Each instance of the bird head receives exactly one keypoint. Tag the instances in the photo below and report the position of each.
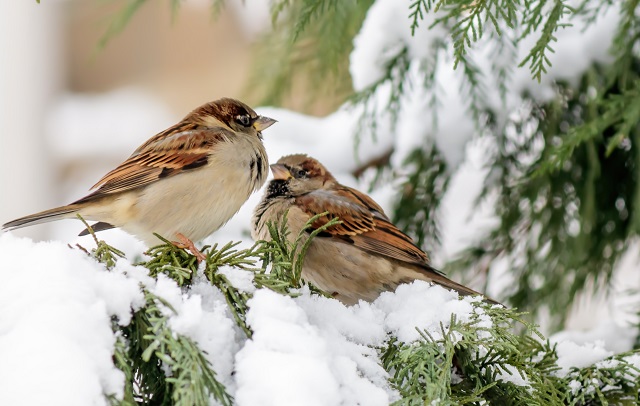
(302, 174)
(231, 114)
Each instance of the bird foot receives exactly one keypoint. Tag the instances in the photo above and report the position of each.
(186, 243)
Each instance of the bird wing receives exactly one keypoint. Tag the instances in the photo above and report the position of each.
(180, 148)
(364, 224)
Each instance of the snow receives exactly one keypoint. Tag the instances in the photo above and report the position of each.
(403, 322)
(57, 305)
(286, 348)
(571, 354)
(55, 329)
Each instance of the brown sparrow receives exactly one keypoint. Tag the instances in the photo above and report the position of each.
(185, 182)
(355, 260)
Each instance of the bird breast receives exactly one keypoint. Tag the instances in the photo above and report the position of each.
(196, 203)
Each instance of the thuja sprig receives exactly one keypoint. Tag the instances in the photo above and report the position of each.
(235, 298)
(175, 262)
(286, 256)
(103, 253)
(610, 381)
(192, 380)
(123, 363)
(478, 352)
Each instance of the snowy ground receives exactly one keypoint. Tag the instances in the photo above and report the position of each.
(56, 304)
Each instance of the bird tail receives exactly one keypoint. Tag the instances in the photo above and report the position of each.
(463, 290)
(43, 217)
(437, 277)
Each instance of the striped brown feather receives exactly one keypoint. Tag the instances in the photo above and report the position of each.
(364, 224)
(166, 154)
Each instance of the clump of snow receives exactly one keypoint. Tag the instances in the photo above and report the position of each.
(289, 361)
(613, 336)
(203, 315)
(239, 278)
(511, 374)
(402, 319)
(571, 354)
(55, 330)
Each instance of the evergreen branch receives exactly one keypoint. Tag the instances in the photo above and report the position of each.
(472, 80)
(192, 380)
(395, 77)
(423, 371)
(286, 256)
(620, 111)
(103, 253)
(610, 381)
(235, 298)
(124, 364)
(176, 263)
(310, 40)
(418, 9)
(416, 211)
(537, 58)
(309, 10)
(299, 259)
(228, 256)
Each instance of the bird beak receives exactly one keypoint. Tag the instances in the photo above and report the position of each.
(263, 123)
(280, 172)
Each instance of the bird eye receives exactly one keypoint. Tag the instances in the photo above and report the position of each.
(301, 173)
(244, 120)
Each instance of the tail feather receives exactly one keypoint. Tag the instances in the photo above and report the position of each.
(43, 217)
(439, 278)
(463, 290)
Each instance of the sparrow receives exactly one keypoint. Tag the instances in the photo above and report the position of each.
(184, 182)
(357, 259)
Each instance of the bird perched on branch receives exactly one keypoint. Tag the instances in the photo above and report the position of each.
(357, 259)
(184, 183)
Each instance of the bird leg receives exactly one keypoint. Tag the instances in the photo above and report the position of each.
(186, 243)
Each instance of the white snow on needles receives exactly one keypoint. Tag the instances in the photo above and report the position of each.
(56, 304)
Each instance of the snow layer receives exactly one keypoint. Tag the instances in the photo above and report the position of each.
(55, 333)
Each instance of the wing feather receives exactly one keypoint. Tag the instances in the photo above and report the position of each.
(364, 224)
(180, 148)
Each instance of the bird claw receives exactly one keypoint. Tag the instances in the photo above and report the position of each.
(186, 243)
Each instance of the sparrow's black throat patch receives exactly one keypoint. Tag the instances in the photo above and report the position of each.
(278, 188)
